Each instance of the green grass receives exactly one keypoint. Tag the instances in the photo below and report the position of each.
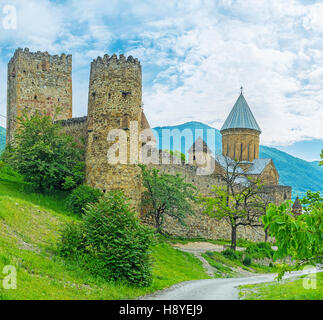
(224, 265)
(30, 226)
(286, 290)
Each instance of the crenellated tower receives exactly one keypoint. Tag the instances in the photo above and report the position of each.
(38, 82)
(115, 102)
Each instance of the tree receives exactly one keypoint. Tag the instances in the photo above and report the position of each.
(166, 194)
(321, 163)
(45, 157)
(240, 200)
(300, 237)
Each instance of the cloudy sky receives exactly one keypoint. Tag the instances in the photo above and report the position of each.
(195, 56)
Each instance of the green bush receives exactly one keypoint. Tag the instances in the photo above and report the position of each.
(230, 254)
(48, 159)
(110, 241)
(260, 250)
(81, 197)
(246, 261)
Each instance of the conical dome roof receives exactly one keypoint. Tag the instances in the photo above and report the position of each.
(241, 117)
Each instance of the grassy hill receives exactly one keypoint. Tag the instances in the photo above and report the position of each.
(30, 227)
(301, 175)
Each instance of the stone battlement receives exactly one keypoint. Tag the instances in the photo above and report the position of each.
(53, 59)
(114, 60)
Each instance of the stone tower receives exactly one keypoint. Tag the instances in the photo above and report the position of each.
(38, 82)
(240, 133)
(115, 102)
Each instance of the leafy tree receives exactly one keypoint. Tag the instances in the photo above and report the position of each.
(110, 241)
(321, 163)
(45, 157)
(300, 237)
(240, 200)
(166, 194)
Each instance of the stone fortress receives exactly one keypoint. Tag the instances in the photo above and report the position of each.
(40, 82)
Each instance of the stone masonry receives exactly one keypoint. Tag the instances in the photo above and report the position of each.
(38, 82)
(115, 102)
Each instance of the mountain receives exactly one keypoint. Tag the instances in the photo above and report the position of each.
(2, 138)
(301, 175)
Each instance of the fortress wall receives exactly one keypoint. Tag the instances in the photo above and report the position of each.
(77, 128)
(201, 225)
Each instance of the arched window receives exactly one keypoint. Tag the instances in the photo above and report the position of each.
(234, 152)
(227, 149)
(241, 148)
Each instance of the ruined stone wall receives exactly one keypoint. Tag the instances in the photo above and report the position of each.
(232, 139)
(77, 128)
(38, 82)
(115, 102)
(200, 224)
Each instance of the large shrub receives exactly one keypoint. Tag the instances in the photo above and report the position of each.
(81, 197)
(110, 241)
(260, 250)
(45, 157)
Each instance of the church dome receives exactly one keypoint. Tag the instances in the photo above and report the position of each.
(241, 117)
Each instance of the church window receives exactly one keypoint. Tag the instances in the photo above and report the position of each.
(241, 152)
(227, 149)
(234, 153)
(248, 152)
(254, 152)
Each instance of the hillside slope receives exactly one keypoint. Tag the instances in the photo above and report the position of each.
(30, 226)
(301, 175)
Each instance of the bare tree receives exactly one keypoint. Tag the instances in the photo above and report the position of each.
(239, 199)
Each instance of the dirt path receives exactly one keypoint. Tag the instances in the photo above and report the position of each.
(197, 248)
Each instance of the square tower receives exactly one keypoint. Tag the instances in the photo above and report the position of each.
(38, 82)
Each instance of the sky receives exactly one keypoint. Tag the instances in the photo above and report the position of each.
(195, 56)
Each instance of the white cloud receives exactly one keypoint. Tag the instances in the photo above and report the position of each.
(195, 54)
